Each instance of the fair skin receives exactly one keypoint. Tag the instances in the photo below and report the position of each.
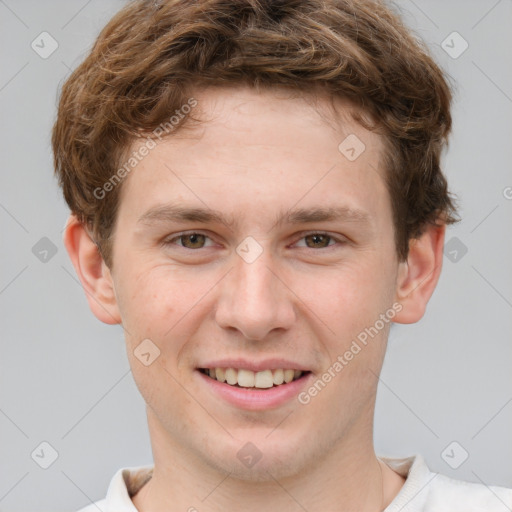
(303, 300)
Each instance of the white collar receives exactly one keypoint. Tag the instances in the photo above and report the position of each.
(412, 468)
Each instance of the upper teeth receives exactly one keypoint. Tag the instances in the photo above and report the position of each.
(250, 379)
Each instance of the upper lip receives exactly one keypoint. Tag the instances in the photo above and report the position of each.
(255, 366)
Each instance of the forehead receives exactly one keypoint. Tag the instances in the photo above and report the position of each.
(252, 152)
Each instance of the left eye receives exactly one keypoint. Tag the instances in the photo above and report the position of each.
(190, 240)
(317, 240)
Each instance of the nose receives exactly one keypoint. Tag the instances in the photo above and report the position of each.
(254, 300)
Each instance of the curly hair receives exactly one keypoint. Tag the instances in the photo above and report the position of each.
(151, 56)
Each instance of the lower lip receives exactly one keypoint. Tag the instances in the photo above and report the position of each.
(256, 399)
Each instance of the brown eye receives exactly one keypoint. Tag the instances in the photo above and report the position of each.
(193, 240)
(317, 240)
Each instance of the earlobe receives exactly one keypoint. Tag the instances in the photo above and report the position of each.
(92, 271)
(418, 276)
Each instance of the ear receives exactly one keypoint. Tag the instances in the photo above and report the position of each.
(418, 276)
(92, 271)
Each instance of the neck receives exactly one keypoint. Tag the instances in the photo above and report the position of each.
(349, 478)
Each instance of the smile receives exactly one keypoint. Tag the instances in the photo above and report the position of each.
(248, 379)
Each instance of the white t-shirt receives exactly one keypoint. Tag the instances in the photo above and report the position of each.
(423, 491)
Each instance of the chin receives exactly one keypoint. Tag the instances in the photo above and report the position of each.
(257, 458)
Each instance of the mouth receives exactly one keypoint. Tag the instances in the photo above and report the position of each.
(265, 379)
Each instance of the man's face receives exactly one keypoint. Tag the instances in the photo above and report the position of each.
(272, 285)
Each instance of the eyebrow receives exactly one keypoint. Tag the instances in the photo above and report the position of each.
(175, 213)
(341, 213)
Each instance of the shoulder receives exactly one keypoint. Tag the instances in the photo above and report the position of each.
(124, 484)
(426, 491)
(448, 494)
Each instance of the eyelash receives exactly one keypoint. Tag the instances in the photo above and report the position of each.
(170, 241)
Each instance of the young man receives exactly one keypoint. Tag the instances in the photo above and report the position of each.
(256, 197)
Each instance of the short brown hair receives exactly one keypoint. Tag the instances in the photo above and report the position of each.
(149, 58)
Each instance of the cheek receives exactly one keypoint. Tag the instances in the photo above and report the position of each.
(153, 301)
(348, 298)
(167, 306)
(349, 305)
(154, 306)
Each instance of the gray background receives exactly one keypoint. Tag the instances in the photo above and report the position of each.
(64, 376)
